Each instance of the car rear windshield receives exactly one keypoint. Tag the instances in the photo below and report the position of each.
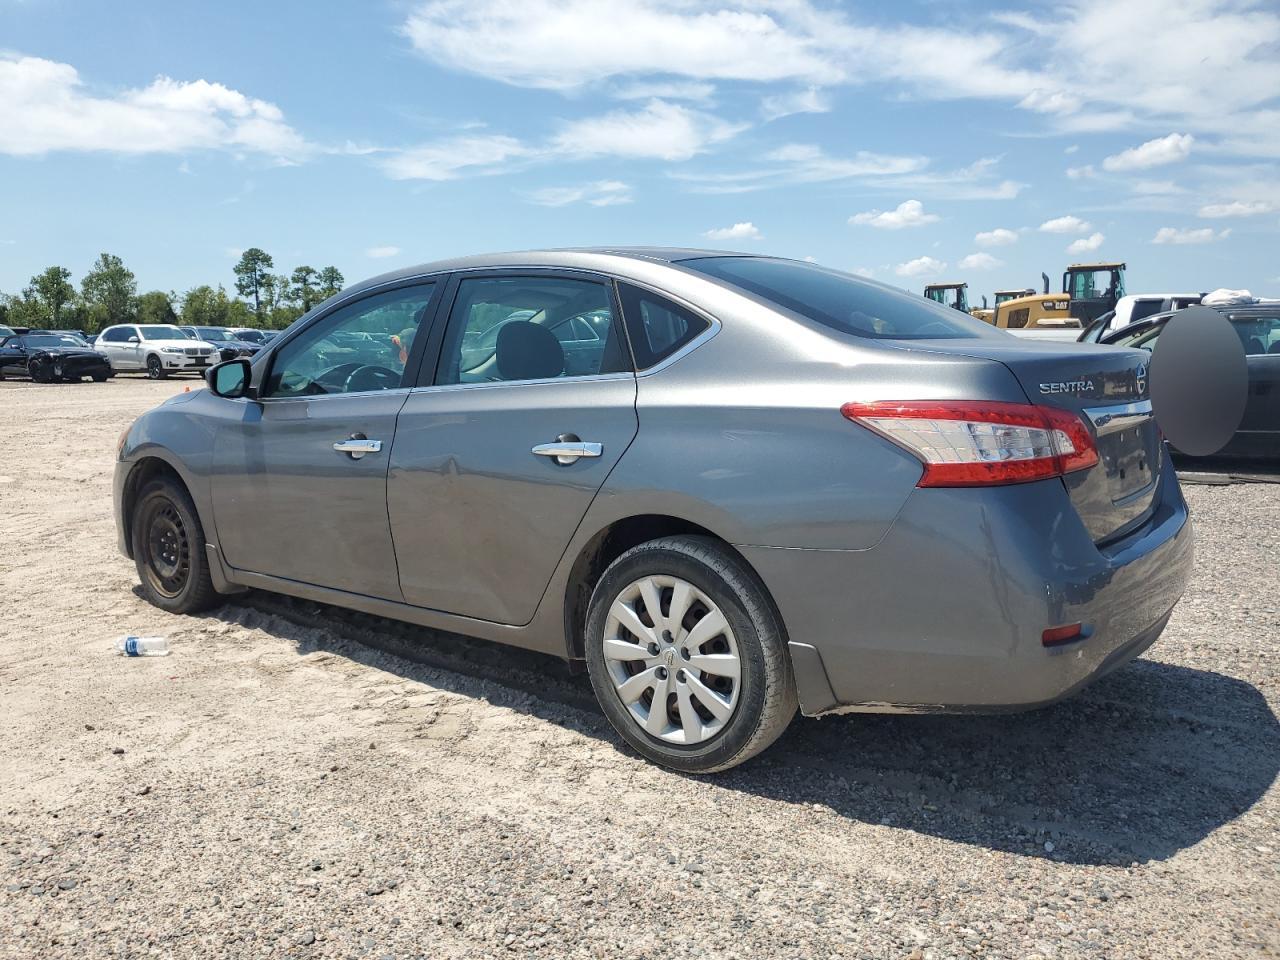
(840, 301)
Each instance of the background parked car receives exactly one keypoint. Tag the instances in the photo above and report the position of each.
(159, 349)
(1258, 327)
(49, 357)
(1134, 307)
(6, 331)
(229, 346)
(260, 337)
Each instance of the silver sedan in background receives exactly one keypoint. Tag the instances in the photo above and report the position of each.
(730, 485)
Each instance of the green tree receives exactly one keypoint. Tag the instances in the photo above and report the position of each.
(254, 264)
(204, 306)
(304, 287)
(24, 310)
(110, 291)
(52, 289)
(156, 306)
(331, 281)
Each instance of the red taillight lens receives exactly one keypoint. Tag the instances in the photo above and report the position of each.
(970, 443)
(1065, 634)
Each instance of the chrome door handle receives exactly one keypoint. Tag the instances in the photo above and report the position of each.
(568, 451)
(357, 447)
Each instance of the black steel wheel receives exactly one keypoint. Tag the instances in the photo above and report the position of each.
(169, 549)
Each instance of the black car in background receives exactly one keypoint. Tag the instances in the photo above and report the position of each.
(49, 357)
(228, 345)
(1258, 327)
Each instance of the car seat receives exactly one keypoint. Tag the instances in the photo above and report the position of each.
(527, 351)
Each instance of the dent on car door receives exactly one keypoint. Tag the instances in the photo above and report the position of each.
(497, 459)
(300, 485)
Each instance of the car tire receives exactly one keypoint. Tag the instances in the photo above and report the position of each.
(169, 549)
(100, 377)
(39, 372)
(752, 709)
(155, 368)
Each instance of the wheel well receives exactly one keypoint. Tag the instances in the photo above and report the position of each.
(605, 547)
(143, 472)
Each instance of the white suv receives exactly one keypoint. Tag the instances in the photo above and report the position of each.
(158, 348)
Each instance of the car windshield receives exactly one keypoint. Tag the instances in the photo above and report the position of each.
(849, 304)
(215, 333)
(163, 332)
(5, 332)
(44, 341)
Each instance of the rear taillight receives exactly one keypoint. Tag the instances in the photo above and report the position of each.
(972, 443)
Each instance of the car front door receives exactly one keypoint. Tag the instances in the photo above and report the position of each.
(300, 484)
(498, 457)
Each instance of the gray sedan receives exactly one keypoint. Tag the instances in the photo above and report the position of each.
(731, 486)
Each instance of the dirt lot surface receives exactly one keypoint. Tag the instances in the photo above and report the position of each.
(285, 784)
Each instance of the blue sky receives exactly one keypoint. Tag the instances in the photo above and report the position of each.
(909, 141)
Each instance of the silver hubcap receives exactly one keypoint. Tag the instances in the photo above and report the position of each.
(673, 659)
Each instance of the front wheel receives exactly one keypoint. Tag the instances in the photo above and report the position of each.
(155, 369)
(39, 371)
(687, 656)
(168, 550)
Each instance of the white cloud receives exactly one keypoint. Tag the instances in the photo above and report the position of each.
(381, 253)
(920, 267)
(980, 261)
(1072, 149)
(867, 272)
(693, 90)
(44, 107)
(999, 237)
(739, 231)
(805, 163)
(1174, 235)
(809, 100)
(600, 193)
(1236, 208)
(909, 213)
(1080, 75)
(1086, 244)
(665, 131)
(1153, 153)
(449, 159)
(1085, 172)
(1067, 224)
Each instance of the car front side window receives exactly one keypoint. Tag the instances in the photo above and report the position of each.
(530, 328)
(359, 347)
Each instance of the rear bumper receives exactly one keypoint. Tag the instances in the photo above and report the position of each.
(946, 612)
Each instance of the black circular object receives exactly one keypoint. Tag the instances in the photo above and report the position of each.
(1199, 381)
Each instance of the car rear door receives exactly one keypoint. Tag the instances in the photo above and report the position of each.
(500, 453)
(300, 484)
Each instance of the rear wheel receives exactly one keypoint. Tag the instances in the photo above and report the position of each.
(168, 550)
(155, 369)
(687, 657)
(100, 377)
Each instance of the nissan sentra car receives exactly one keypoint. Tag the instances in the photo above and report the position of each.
(730, 486)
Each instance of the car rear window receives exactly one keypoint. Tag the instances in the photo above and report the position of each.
(840, 301)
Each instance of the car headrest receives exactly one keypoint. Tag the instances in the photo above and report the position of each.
(526, 351)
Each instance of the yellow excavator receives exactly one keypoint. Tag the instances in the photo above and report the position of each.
(987, 314)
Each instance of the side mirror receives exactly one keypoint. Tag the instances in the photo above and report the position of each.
(134, 339)
(230, 378)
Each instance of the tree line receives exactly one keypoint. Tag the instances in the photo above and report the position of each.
(108, 294)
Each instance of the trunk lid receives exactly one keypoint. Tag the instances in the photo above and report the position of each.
(1108, 388)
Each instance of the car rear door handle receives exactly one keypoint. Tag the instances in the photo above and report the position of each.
(568, 451)
(357, 447)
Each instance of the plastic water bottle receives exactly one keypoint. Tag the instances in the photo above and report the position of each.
(143, 646)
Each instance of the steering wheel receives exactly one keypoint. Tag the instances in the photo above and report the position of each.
(371, 378)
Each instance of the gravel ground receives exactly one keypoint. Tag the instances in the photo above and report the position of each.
(287, 783)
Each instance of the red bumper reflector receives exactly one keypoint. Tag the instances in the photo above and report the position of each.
(1059, 635)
